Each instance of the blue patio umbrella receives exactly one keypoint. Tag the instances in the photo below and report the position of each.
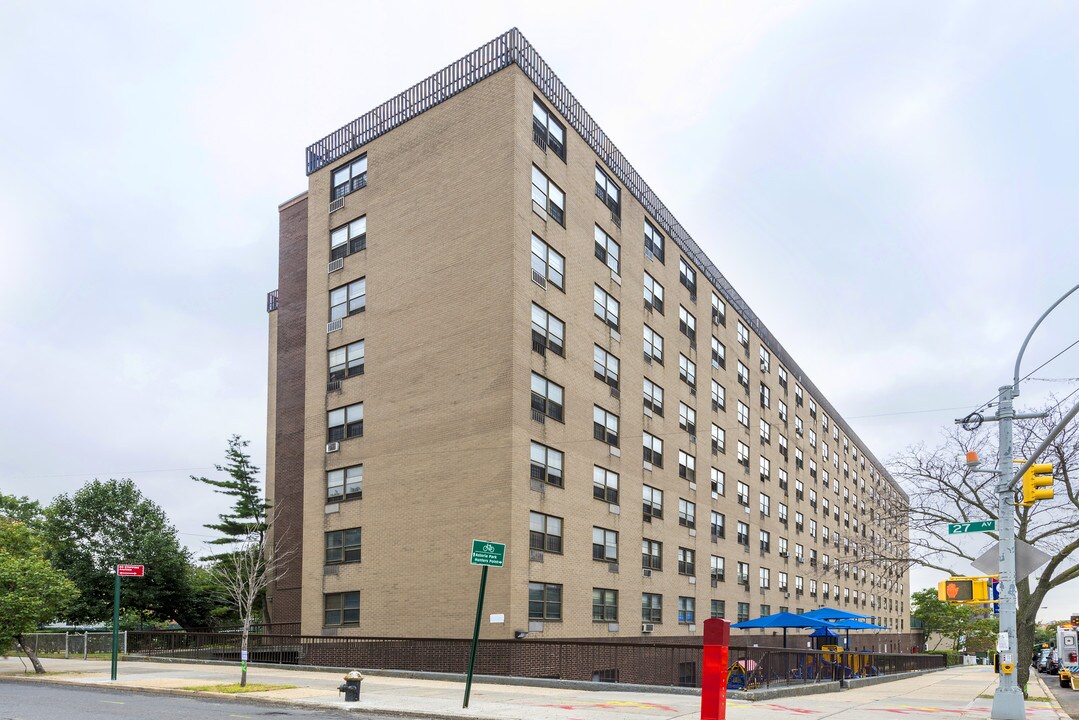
(782, 620)
(827, 613)
(823, 633)
(854, 624)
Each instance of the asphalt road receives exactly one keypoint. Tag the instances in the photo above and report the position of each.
(32, 701)
(1068, 698)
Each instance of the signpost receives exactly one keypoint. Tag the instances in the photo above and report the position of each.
(121, 571)
(487, 554)
(972, 527)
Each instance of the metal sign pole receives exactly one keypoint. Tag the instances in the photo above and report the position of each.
(475, 636)
(115, 620)
(1008, 701)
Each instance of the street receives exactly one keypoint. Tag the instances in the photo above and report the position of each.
(1068, 698)
(25, 701)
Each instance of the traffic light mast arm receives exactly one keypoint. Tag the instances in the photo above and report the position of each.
(1019, 357)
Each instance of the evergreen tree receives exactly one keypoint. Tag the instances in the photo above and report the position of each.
(247, 520)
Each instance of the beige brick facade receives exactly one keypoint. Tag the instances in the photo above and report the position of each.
(447, 403)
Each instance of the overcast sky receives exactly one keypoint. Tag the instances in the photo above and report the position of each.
(892, 187)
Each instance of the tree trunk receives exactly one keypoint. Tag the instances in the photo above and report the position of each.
(31, 655)
(243, 649)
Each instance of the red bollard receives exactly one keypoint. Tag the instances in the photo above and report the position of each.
(717, 638)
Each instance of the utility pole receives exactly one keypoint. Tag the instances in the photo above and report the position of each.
(1008, 701)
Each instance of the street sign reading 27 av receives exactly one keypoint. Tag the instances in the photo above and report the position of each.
(972, 527)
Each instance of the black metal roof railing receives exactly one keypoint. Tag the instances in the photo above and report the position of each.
(510, 48)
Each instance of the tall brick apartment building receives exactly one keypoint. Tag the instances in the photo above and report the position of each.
(488, 326)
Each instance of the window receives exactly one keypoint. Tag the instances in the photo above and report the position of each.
(798, 427)
(604, 605)
(687, 324)
(544, 601)
(687, 418)
(651, 554)
(719, 311)
(783, 584)
(343, 546)
(743, 573)
(765, 610)
(344, 423)
(651, 607)
(348, 299)
(719, 439)
(743, 414)
(687, 561)
(687, 607)
(544, 532)
(653, 502)
(349, 238)
(344, 484)
(743, 611)
(743, 335)
(765, 396)
(653, 397)
(743, 532)
(718, 571)
(719, 396)
(653, 346)
(687, 371)
(604, 545)
(688, 277)
(548, 197)
(783, 412)
(765, 578)
(799, 585)
(766, 468)
(743, 375)
(653, 241)
(547, 398)
(766, 432)
(718, 523)
(346, 361)
(687, 466)
(766, 360)
(719, 482)
(743, 455)
(546, 464)
(687, 513)
(605, 366)
(341, 609)
(653, 450)
(765, 504)
(546, 131)
(604, 426)
(719, 354)
(605, 485)
(798, 395)
(719, 608)
(607, 250)
(782, 374)
(548, 332)
(799, 521)
(653, 294)
(548, 266)
(350, 178)
(605, 307)
(765, 538)
(607, 191)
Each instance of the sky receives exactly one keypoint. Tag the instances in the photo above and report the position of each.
(892, 188)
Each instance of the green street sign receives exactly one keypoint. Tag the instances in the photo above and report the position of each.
(972, 527)
(487, 553)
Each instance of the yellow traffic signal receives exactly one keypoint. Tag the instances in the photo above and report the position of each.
(965, 590)
(1037, 484)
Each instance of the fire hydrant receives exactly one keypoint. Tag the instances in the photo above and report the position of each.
(351, 686)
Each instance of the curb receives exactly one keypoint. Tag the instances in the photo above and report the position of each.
(1053, 702)
(270, 702)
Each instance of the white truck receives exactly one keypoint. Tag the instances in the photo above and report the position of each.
(1068, 654)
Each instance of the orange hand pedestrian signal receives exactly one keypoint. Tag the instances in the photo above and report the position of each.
(960, 590)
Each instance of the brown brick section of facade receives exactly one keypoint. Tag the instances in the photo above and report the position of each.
(290, 389)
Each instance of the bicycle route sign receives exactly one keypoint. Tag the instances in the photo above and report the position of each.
(488, 553)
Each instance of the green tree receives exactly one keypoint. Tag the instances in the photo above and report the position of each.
(107, 523)
(938, 617)
(23, 509)
(247, 520)
(32, 591)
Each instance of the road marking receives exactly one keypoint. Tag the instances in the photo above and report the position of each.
(113, 702)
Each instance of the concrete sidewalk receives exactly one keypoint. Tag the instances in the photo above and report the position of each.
(951, 693)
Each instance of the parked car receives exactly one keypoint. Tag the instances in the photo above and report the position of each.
(1043, 658)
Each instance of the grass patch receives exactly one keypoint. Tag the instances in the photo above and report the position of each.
(234, 688)
(77, 656)
(1032, 698)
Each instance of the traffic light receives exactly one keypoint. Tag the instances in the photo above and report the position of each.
(965, 590)
(1037, 484)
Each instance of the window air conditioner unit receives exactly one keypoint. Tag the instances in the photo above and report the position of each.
(539, 279)
(333, 447)
(337, 204)
(335, 265)
(646, 572)
(783, 555)
(647, 627)
(334, 325)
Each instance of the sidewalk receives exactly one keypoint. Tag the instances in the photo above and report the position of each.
(952, 693)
